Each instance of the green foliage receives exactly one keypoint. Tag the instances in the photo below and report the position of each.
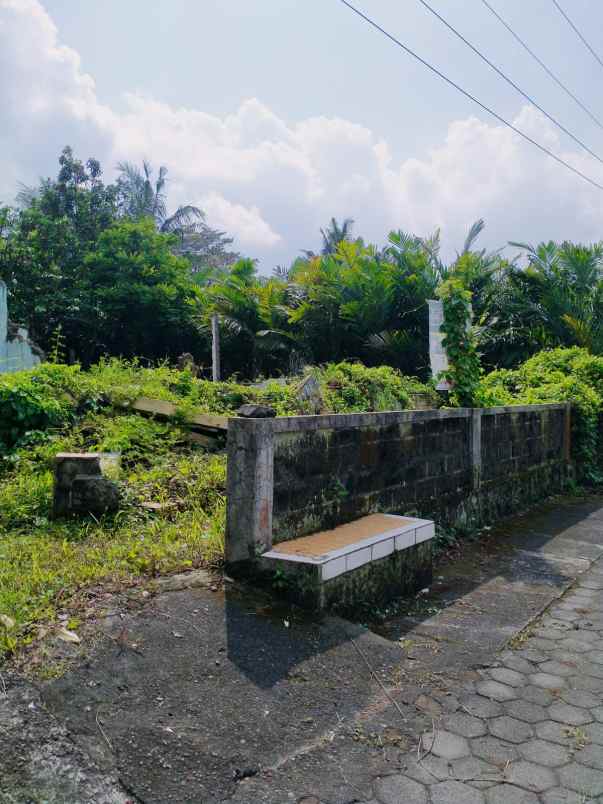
(459, 341)
(560, 375)
(44, 561)
(353, 387)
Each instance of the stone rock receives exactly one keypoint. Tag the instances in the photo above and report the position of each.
(84, 483)
(256, 412)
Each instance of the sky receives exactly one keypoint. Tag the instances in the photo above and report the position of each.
(275, 115)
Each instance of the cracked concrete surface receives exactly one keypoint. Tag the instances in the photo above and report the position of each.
(215, 697)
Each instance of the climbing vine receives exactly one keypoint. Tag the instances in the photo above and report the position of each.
(460, 342)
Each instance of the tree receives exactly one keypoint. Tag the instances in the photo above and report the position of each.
(254, 320)
(556, 300)
(140, 196)
(138, 297)
(44, 245)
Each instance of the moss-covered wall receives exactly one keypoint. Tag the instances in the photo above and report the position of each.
(462, 470)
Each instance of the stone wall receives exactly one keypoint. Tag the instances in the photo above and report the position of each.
(296, 475)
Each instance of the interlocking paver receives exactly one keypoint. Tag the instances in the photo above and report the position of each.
(555, 668)
(399, 790)
(571, 715)
(506, 676)
(554, 732)
(536, 695)
(524, 710)
(532, 655)
(559, 795)
(496, 690)
(531, 776)
(518, 663)
(475, 771)
(465, 725)
(545, 753)
(455, 793)
(585, 683)
(507, 794)
(547, 681)
(491, 749)
(530, 730)
(580, 698)
(510, 729)
(478, 706)
(582, 779)
(591, 755)
(445, 744)
(594, 733)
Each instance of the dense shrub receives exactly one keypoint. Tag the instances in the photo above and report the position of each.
(560, 375)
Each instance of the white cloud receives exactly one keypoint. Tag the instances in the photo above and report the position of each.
(245, 223)
(272, 183)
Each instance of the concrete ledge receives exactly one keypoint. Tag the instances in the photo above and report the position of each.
(405, 532)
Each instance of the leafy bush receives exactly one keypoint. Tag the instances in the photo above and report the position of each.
(560, 375)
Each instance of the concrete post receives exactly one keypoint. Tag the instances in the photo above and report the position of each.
(567, 433)
(215, 349)
(249, 485)
(476, 448)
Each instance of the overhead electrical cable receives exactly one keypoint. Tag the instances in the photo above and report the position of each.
(471, 97)
(547, 70)
(510, 81)
(576, 31)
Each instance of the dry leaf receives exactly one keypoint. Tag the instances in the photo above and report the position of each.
(7, 621)
(68, 636)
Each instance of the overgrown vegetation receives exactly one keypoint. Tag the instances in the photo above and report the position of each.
(559, 375)
(56, 408)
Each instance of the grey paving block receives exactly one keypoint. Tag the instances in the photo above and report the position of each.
(510, 729)
(506, 676)
(559, 795)
(591, 755)
(537, 695)
(496, 691)
(545, 753)
(583, 698)
(399, 790)
(507, 794)
(455, 793)
(571, 715)
(445, 744)
(582, 779)
(491, 749)
(547, 681)
(554, 733)
(524, 710)
(465, 725)
(531, 776)
(478, 706)
(556, 668)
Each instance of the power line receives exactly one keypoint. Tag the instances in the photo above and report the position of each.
(468, 95)
(509, 81)
(571, 24)
(548, 71)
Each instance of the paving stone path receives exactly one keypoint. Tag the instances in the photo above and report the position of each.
(529, 730)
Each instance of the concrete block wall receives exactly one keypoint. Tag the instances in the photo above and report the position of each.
(291, 476)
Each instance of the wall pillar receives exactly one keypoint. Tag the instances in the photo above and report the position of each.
(476, 448)
(249, 488)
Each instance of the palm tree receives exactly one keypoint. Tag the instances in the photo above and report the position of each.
(335, 234)
(140, 197)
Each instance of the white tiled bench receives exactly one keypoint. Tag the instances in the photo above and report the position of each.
(351, 546)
